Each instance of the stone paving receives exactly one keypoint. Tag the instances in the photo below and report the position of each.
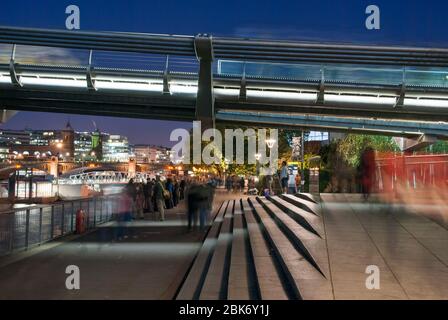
(409, 249)
(149, 264)
(342, 235)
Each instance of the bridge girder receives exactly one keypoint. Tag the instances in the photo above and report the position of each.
(331, 123)
(211, 94)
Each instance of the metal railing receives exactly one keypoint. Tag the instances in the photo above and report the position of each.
(228, 48)
(23, 228)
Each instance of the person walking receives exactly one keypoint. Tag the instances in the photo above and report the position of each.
(193, 204)
(228, 184)
(284, 176)
(176, 193)
(170, 187)
(182, 187)
(140, 203)
(131, 190)
(149, 193)
(203, 201)
(160, 198)
(298, 182)
(123, 216)
(367, 171)
(242, 184)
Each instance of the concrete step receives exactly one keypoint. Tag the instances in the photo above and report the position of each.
(269, 281)
(242, 283)
(308, 197)
(307, 243)
(304, 278)
(309, 221)
(191, 287)
(260, 248)
(216, 280)
(304, 204)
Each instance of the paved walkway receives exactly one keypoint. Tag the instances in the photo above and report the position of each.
(149, 264)
(341, 236)
(409, 249)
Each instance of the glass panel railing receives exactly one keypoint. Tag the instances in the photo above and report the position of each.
(428, 77)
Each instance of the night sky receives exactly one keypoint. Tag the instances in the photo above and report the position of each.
(405, 22)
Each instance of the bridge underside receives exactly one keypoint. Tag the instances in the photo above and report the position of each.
(181, 109)
(379, 90)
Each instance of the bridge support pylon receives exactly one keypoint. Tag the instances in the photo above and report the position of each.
(205, 100)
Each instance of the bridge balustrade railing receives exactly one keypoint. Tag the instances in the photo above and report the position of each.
(24, 228)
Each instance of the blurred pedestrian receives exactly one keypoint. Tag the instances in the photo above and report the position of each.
(170, 188)
(123, 215)
(160, 198)
(284, 176)
(242, 184)
(193, 204)
(176, 193)
(131, 191)
(148, 191)
(182, 187)
(140, 202)
(367, 171)
(298, 181)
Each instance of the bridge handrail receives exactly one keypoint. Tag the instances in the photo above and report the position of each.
(23, 228)
(228, 48)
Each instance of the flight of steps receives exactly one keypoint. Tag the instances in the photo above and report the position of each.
(262, 248)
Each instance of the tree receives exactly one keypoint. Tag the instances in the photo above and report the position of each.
(351, 147)
(437, 148)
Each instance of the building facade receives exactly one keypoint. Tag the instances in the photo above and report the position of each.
(116, 149)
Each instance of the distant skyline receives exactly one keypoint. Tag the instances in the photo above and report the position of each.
(138, 131)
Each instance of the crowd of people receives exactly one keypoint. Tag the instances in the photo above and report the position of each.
(267, 185)
(151, 199)
(154, 196)
(235, 183)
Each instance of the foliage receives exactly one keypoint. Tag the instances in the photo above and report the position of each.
(438, 147)
(284, 149)
(351, 147)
